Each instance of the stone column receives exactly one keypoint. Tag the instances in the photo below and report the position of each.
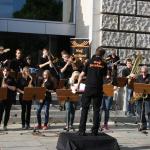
(66, 10)
(84, 19)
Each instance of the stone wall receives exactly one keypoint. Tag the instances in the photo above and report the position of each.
(126, 25)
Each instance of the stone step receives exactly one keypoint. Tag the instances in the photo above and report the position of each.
(59, 116)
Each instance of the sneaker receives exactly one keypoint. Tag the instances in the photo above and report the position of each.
(27, 127)
(142, 129)
(23, 127)
(45, 127)
(105, 126)
(38, 127)
(5, 128)
(65, 128)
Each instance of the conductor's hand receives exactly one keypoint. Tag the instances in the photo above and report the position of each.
(76, 88)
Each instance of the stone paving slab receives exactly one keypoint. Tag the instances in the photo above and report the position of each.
(127, 135)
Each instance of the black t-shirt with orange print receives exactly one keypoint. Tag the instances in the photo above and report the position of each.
(95, 70)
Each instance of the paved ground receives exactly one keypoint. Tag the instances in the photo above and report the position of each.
(127, 135)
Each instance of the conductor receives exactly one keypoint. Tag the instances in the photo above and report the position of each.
(95, 70)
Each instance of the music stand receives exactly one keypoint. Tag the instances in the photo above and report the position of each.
(3, 97)
(108, 89)
(67, 96)
(3, 93)
(121, 81)
(143, 89)
(33, 94)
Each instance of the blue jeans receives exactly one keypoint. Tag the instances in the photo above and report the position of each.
(70, 112)
(144, 113)
(130, 107)
(46, 105)
(106, 106)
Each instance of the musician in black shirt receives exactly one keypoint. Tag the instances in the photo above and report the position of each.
(144, 77)
(129, 108)
(48, 84)
(26, 80)
(4, 57)
(95, 70)
(5, 105)
(18, 63)
(65, 66)
(45, 61)
(113, 60)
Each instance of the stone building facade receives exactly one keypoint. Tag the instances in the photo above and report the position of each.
(123, 25)
(126, 26)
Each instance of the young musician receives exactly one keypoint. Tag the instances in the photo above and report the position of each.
(144, 112)
(5, 105)
(25, 80)
(47, 64)
(45, 61)
(113, 57)
(70, 106)
(95, 70)
(29, 62)
(127, 73)
(4, 57)
(65, 66)
(48, 84)
(113, 61)
(18, 63)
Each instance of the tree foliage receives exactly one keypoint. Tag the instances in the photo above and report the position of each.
(41, 10)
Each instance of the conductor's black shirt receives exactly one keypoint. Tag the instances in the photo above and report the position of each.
(95, 70)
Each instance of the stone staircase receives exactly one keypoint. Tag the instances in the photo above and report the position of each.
(58, 116)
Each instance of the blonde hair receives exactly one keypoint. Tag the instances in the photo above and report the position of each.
(74, 77)
(48, 73)
(24, 70)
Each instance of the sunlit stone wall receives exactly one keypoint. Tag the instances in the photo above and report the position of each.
(126, 25)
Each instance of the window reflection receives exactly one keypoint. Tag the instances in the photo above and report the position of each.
(64, 11)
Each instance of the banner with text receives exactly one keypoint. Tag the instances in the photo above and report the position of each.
(80, 47)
